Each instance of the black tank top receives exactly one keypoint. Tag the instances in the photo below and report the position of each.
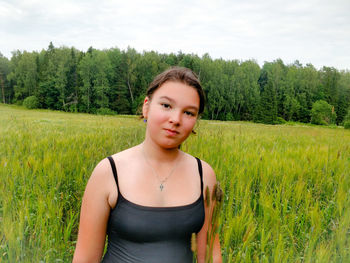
(139, 233)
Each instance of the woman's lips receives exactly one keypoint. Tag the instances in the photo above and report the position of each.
(171, 132)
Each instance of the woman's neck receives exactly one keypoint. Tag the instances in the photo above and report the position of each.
(158, 154)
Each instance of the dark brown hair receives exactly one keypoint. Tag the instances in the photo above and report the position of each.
(179, 74)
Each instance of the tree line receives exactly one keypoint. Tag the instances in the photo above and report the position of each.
(115, 81)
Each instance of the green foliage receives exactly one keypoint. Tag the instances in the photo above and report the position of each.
(24, 74)
(229, 116)
(322, 113)
(286, 197)
(347, 120)
(31, 102)
(347, 124)
(280, 120)
(5, 93)
(268, 99)
(70, 80)
(105, 111)
(329, 81)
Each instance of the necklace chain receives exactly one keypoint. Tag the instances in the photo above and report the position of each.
(162, 181)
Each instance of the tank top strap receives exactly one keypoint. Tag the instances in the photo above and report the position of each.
(200, 173)
(114, 169)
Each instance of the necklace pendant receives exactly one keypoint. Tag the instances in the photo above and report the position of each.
(161, 187)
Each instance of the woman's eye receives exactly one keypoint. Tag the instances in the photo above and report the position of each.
(165, 105)
(189, 113)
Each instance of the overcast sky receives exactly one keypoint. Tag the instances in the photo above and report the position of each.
(312, 31)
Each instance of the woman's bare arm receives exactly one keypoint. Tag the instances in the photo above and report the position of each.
(94, 216)
(209, 179)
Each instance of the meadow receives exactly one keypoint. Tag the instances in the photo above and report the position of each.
(286, 187)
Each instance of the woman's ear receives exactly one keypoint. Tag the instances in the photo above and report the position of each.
(145, 107)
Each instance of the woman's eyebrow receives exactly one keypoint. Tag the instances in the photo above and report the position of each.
(166, 97)
(171, 100)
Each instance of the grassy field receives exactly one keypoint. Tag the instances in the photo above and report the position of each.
(287, 188)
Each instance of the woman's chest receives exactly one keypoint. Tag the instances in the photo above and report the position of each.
(143, 224)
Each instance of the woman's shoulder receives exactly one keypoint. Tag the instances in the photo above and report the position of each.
(103, 171)
(209, 177)
(126, 156)
(104, 165)
(101, 175)
(102, 181)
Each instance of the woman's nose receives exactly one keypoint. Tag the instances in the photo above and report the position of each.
(175, 118)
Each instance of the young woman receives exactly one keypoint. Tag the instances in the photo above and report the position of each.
(149, 199)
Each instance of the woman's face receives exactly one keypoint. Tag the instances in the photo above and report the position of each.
(171, 114)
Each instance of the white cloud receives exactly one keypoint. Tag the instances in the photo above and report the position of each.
(315, 31)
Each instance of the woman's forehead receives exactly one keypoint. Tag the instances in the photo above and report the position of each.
(177, 91)
(175, 86)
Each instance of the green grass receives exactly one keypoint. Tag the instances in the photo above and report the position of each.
(287, 188)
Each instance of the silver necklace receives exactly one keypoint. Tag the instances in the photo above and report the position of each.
(162, 181)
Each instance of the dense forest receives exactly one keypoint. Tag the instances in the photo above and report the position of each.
(115, 81)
